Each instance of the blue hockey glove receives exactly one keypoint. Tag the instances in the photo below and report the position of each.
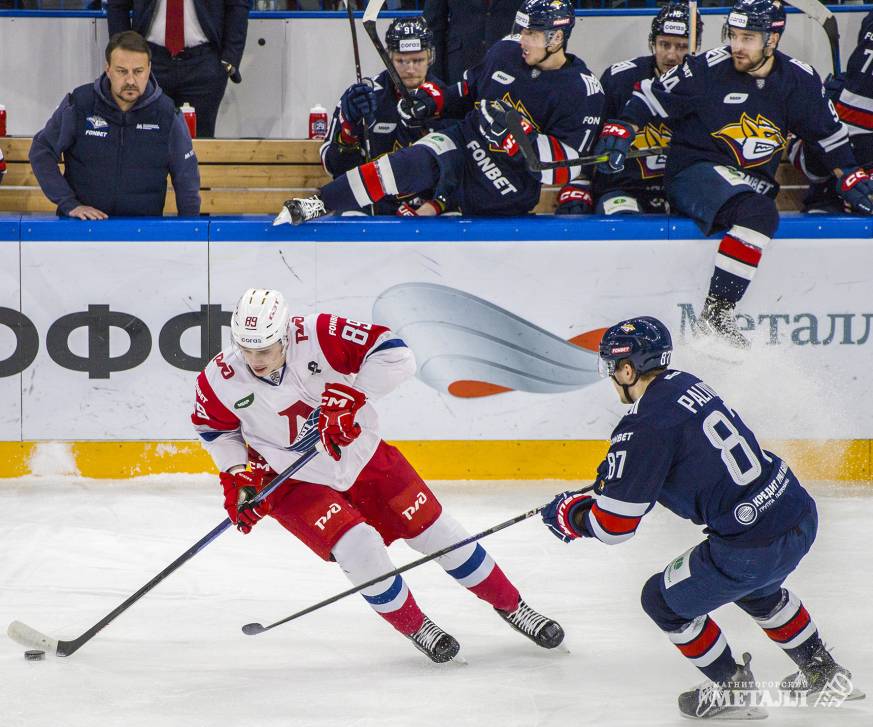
(559, 514)
(856, 189)
(615, 141)
(425, 102)
(358, 102)
(833, 85)
(575, 199)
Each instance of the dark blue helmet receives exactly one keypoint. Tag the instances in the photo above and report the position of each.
(409, 35)
(548, 16)
(763, 16)
(643, 341)
(675, 19)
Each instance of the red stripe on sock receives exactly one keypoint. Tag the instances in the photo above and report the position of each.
(407, 619)
(372, 183)
(792, 628)
(732, 247)
(497, 590)
(703, 642)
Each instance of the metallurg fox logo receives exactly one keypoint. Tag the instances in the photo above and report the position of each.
(649, 136)
(752, 141)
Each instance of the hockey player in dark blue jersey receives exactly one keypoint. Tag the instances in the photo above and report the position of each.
(409, 42)
(682, 446)
(852, 95)
(731, 110)
(477, 163)
(640, 186)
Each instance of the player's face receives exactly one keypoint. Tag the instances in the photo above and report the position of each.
(264, 361)
(624, 374)
(128, 73)
(747, 48)
(670, 51)
(533, 45)
(412, 67)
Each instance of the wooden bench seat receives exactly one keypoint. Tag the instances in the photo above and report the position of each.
(254, 176)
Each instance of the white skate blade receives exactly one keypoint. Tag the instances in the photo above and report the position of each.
(736, 713)
(283, 218)
(27, 636)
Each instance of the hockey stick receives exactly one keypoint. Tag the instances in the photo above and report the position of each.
(825, 18)
(28, 636)
(513, 123)
(370, 15)
(253, 629)
(692, 27)
(356, 50)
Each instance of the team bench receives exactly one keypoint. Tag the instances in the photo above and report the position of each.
(254, 176)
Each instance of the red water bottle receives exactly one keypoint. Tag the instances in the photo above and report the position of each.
(190, 116)
(2, 120)
(317, 122)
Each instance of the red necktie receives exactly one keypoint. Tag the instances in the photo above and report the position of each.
(174, 39)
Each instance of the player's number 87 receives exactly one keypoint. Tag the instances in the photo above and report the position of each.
(727, 445)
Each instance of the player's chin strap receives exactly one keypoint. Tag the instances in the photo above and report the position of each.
(764, 57)
(626, 387)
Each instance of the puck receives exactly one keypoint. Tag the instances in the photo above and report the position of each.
(34, 655)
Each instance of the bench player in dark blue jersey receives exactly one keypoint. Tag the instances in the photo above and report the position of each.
(640, 186)
(477, 163)
(409, 42)
(731, 110)
(852, 95)
(682, 446)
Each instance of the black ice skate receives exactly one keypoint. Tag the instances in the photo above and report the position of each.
(732, 699)
(540, 629)
(821, 679)
(431, 640)
(717, 319)
(300, 210)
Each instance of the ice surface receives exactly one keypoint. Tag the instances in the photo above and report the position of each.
(74, 549)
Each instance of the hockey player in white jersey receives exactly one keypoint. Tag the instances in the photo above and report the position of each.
(250, 401)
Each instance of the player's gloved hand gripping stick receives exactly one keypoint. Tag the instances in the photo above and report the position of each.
(252, 629)
(516, 128)
(307, 442)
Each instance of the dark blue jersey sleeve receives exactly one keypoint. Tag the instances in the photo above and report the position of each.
(633, 473)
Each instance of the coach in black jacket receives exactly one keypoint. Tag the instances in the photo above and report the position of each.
(464, 29)
(194, 67)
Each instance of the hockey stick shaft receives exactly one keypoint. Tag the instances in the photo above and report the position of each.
(370, 15)
(513, 123)
(825, 18)
(358, 75)
(30, 637)
(252, 629)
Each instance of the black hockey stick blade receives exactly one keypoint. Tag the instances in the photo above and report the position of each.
(28, 636)
(252, 629)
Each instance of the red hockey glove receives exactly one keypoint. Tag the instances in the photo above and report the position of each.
(559, 514)
(575, 199)
(336, 424)
(239, 488)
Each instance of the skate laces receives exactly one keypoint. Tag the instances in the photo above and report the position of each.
(310, 207)
(526, 619)
(428, 635)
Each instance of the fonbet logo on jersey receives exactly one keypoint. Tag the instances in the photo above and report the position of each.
(752, 141)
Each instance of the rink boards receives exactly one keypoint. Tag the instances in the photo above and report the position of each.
(103, 327)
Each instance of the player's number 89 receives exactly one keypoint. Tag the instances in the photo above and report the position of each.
(728, 444)
(356, 332)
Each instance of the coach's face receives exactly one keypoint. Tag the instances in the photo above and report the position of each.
(128, 73)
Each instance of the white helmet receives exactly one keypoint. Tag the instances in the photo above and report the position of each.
(260, 319)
